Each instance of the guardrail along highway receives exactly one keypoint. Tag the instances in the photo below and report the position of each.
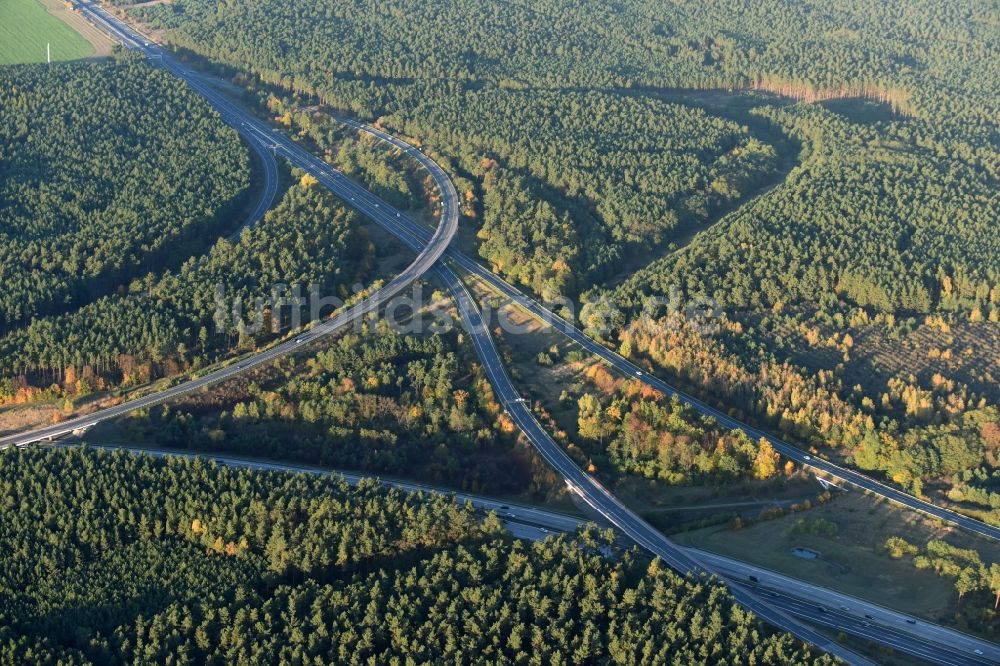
(430, 247)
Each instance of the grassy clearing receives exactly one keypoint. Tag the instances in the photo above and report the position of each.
(851, 561)
(26, 27)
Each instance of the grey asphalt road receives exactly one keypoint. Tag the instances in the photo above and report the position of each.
(429, 251)
(620, 363)
(270, 186)
(612, 510)
(823, 606)
(417, 236)
(260, 137)
(866, 619)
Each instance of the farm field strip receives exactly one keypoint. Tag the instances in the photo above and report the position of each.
(26, 27)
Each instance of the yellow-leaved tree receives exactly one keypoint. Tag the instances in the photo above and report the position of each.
(766, 464)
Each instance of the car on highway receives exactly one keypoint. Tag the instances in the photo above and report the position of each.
(639, 374)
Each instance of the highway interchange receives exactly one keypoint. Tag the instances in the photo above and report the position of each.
(430, 247)
(264, 143)
(622, 364)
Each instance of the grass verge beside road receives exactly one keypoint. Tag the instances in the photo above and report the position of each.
(850, 559)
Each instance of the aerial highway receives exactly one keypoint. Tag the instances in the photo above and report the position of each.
(595, 495)
(418, 236)
(430, 247)
(600, 500)
(429, 251)
(260, 137)
(627, 367)
(840, 612)
(270, 186)
(866, 619)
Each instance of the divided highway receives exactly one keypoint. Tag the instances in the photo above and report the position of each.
(261, 139)
(595, 495)
(936, 644)
(431, 247)
(629, 368)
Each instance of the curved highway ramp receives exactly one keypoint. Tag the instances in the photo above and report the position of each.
(430, 248)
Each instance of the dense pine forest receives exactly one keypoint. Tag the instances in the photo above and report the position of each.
(98, 185)
(572, 183)
(820, 179)
(914, 235)
(440, 72)
(183, 561)
(166, 323)
(591, 138)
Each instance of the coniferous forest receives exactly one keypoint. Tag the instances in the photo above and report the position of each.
(107, 171)
(786, 208)
(173, 318)
(840, 158)
(114, 558)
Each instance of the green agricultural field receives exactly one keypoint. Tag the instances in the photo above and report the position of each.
(25, 28)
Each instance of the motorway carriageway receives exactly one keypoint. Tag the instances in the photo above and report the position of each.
(630, 369)
(592, 492)
(841, 612)
(261, 140)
